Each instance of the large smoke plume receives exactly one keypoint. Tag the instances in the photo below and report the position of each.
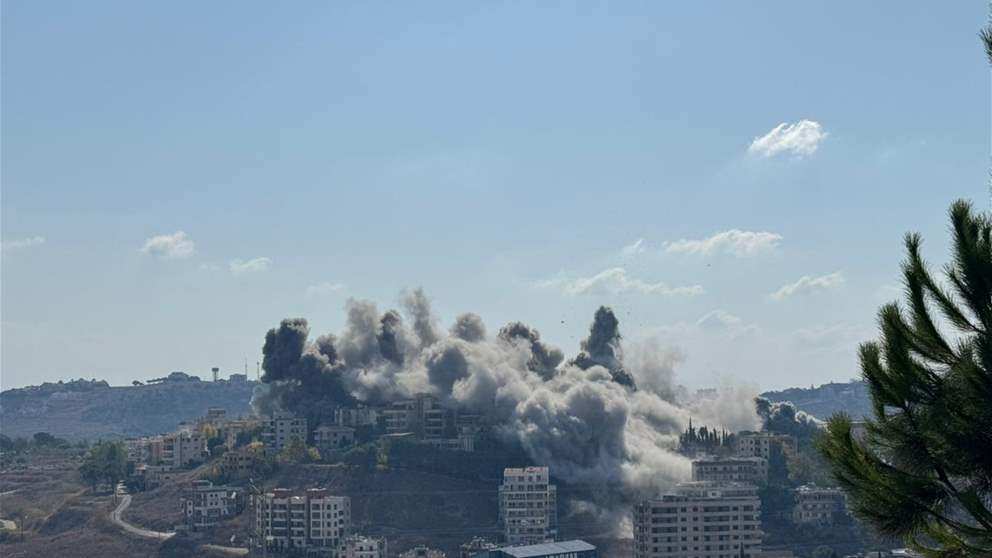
(595, 419)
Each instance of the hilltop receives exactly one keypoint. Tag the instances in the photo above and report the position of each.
(847, 397)
(92, 409)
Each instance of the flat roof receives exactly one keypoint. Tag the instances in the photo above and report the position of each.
(546, 548)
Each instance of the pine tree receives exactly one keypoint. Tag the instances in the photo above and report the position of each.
(923, 468)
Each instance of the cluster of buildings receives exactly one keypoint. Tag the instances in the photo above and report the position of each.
(314, 522)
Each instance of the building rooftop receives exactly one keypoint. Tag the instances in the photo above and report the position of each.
(546, 548)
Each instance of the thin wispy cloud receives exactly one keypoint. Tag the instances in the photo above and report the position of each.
(734, 241)
(615, 280)
(800, 139)
(239, 267)
(718, 319)
(21, 243)
(175, 245)
(324, 289)
(633, 249)
(809, 284)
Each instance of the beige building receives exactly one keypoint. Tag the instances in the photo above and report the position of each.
(205, 505)
(314, 522)
(281, 428)
(360, 546)
(759, 444)
(700, 520)
(730, 469)
(528, 506)
(818, 505)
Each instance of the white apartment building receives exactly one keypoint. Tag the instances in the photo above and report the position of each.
(183, 448)
(205, 505)
(759, 444)
(333, 437)
(314, 521)
(730, 469)
(817, 505)
(280, 428)
(360, 546)
(528, 506)
(700, 520)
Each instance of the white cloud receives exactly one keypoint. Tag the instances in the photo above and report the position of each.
(20, 243)
(800, 139)
(631, 250)
(808, 284)
(735, 241)
(324, 289)
(615, 280)
(175, 245)
(257, 264)
(717, 319)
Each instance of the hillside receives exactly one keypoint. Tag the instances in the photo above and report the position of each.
(91, 410)
(848, 397)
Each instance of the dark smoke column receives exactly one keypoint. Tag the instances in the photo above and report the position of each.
(602, 347)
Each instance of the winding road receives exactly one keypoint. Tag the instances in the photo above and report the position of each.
(116, 517)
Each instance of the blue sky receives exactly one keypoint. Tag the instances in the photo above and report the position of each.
(499, 154)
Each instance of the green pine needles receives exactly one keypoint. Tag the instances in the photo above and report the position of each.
(922, 470)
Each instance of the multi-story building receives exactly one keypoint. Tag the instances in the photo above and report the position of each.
(759, 444)
(205, 505)
(356, 416)
(818, 505)
(333, 437)
(314, 521)
(360, 546)
(241, 463)
(423, 416)
(184, 448)
(730, 469)
(563, 549)
(280, 428)
(150, 476)
(700, 520)
(422, 552)
(528, 506)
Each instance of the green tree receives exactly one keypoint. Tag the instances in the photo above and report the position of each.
(922, 470)
(105, 462)
(824, 551)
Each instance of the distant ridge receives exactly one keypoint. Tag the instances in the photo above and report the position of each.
(823, 401)
(92, 409)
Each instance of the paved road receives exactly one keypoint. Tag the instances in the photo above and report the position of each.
(116, 517)
(233, 551)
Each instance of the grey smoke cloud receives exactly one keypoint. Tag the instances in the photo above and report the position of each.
(585, 418)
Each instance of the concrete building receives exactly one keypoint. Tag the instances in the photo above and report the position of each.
(730, 469)
(356, 416)
(240, 463)
(280, 428)
(184, 448)
(759, 444)
(818, 505)
(422, 552)
(150, 476)
(360, 546)
(528, 506)
(205, 505)
(478, 546)
(700, 520)
(312, 522)
(423, 416)
(333, 437)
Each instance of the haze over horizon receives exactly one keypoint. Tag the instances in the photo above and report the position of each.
(176, 182)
